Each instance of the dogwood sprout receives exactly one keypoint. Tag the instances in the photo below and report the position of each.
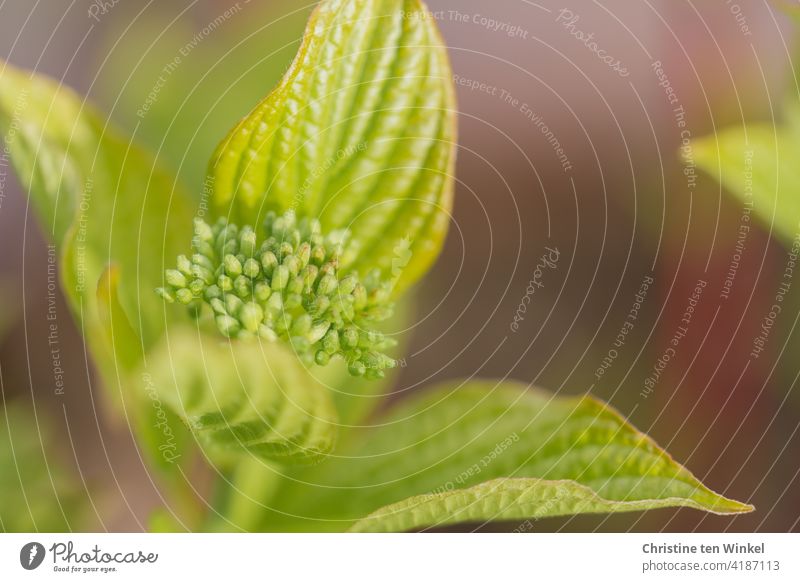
(289, 286)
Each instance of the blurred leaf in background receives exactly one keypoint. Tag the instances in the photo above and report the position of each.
(7, 316)
(37, 494)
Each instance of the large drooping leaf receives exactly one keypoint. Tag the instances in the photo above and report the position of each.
(101, 199)
(495, 451)
(243, 397)
(360, 133)
(503, 499)
(758, 164)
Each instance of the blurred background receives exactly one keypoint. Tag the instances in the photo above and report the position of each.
(558, 149)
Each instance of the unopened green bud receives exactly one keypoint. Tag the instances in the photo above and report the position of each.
(184, 265)
(318, 332)
(349, 337)
(327, 285)
(197, 286)
(267, 333)
(251, 268)
(225, 283)
(320, 305)
(293, 301)
(232, 303)
(218, 306)
(175, 278)
(202, 261)
(166, 295)
(233, 268)
(243, 286)
(211, 292)
(288, 286)
(227, 325)
(318, 255)
(262, 291)
(280, 278)
(269, 261)
(202, 231)
(251, 316)
(247, 242)
(348, 284)
(357, 368)
(200, 272)
(302, 325)
(184, 296)
(293, 264)
(330, 343)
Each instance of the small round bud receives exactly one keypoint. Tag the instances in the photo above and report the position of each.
(280, 278)
(293, 301)
(184, 296)
(243, 286)
(218, 306)
(318, 332)
(330, 343)
(357, 368)
(320, 305)
(285, 250)
(348, 284)
(202, 261)
(295, 286)
(267, 333)
(251, 268)
(203, 248)
(197, 286)
(262, 291)
(318, 255)
(293, 264)
(349, 337)
(233, 268)
(247, 242)
(202, 231)
(232, 303)
(227, 325)
(201, 272)
(165, 295)
(302, 325)
(225, 283)
(184, 265)
(175, 278)
(327, 285)
(251, 316)
(269, 261)
(211, 292)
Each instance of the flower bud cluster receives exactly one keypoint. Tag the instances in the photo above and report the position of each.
(288, 286)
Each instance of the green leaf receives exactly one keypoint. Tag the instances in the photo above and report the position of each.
(757, 163)
(243, 397)
(360, 133)
(100, 198)
(503, 499)
(437, 458)
(37, 493)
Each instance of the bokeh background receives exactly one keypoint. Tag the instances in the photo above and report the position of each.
(619, 209)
